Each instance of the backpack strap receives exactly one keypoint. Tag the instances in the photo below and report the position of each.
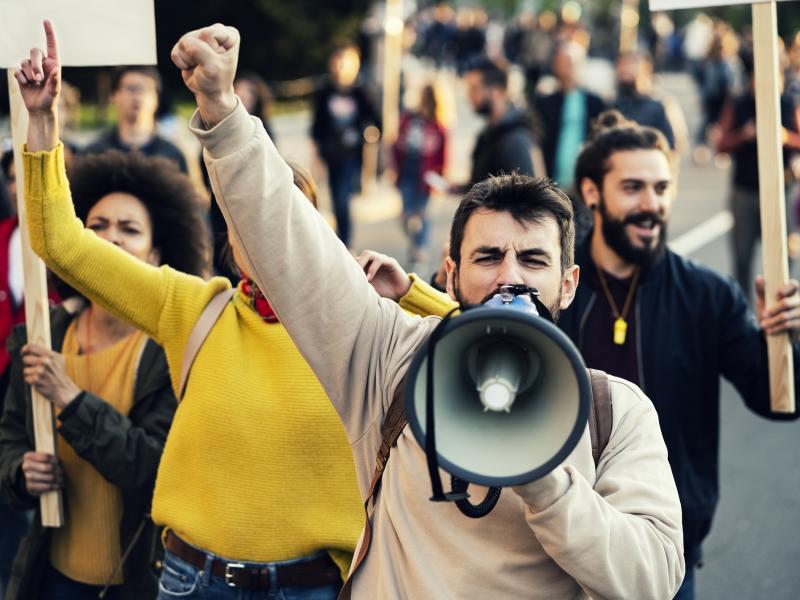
(202, 327)
(600, 414)
(393, 424)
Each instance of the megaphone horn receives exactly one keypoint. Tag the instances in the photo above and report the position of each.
(497, 397)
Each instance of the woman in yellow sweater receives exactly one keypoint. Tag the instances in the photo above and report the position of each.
(256, 485)
(112, 393)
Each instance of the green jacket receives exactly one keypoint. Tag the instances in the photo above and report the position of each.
(125, 450)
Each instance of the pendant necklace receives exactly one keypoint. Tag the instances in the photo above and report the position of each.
(620, 324)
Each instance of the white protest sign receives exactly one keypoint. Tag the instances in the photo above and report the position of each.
(681, 4)
(90, 32)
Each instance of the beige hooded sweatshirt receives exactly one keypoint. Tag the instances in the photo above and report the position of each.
(610, 532)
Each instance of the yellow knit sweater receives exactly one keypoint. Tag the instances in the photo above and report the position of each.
(257, 466)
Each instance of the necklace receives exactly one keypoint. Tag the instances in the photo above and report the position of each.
(620, 325)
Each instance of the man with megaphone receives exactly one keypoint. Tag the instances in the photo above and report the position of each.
(606, 531)
(644, 313)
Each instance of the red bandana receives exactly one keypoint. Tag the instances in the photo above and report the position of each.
(257, 300)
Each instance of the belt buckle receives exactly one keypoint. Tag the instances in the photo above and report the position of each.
(229, 574)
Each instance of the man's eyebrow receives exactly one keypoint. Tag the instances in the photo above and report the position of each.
(487, 250)
(531, 252)
(628, 180)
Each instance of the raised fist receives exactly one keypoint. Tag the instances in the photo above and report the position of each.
(207, 59)
(39, 76)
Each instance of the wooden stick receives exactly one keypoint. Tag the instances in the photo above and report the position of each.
(772, 194)
(392, 57)
(629, 26)
(37, 308)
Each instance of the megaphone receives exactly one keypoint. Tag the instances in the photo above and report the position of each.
(499, 396)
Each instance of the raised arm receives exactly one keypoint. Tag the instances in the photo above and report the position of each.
(160, 301)
(355, 342)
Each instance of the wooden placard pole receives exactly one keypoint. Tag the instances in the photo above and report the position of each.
(772, 193)
(392, 58)
(37, 309)
(629, 26)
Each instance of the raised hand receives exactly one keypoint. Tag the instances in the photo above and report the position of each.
(39, 76)
(385, 274)
(207, 59)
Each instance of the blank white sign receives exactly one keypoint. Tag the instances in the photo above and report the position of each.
(678, 4)
(90, 32)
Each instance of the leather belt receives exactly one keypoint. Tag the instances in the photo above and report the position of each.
(319, 571)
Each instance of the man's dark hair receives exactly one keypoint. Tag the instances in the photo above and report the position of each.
(178, 218)
(492, 75)
(119, 72)
(527, 199)
(6, 161)
(611, 132)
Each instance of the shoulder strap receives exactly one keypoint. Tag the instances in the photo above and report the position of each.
(207, 319)
(600, 414)
(393, 424)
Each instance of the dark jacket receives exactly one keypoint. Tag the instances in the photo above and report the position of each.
(693, 325)
(503, 148)
(646, 111)
(125, 450)
(157, 146)
(341, 137)
(548, 110)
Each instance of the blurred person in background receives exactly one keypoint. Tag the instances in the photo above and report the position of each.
(342, 111)
(716, 80)
(256, 97)
(134, 95)
(566, 114)
(420, 150)
(633, 102)
(738, 138)
(506, 144)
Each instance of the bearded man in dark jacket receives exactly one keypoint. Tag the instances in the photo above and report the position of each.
(671, 326)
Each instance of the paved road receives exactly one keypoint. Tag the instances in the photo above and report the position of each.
(753, 552)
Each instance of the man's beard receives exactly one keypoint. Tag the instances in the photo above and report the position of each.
(614, 234)
(554, 309)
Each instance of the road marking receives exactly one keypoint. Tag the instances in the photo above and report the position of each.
(703, 234)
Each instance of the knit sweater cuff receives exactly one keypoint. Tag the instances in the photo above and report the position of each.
(423, 300)
(44, 172)
(226, 137)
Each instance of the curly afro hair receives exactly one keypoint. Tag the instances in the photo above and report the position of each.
(180, 229)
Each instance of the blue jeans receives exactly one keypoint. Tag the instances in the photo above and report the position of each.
(686, 591)
(180, 580)
(56, 586)
(341, 179)
(415, 204)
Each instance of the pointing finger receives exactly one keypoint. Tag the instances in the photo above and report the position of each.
(52, 42)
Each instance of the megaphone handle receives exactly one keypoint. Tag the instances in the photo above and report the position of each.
(467, 508)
